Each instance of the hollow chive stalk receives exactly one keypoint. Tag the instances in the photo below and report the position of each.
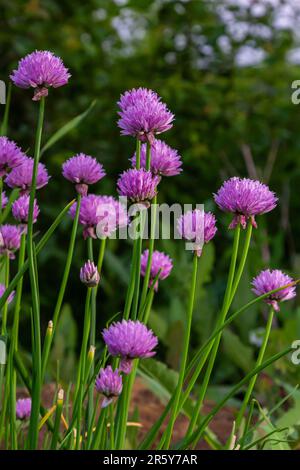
(59, 407)
(139, 245)
(5, 308)
(258, 363)
(150, 251)
(221, 320)
(184, 357)
(42, 243)
(92, 335)
(36, 360)
(63, 286)
(82, 362)
(14, 348)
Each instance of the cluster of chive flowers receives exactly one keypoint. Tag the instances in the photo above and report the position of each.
(142, 115)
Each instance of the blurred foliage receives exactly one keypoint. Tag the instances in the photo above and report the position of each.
(231, 119)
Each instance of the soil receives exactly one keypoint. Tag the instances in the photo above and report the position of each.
(150, 408)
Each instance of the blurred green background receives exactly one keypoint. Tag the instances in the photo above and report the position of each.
(225, 69)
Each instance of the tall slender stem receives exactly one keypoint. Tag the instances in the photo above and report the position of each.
(14, 346)
(150, 251)
(63, 285)
(82, 361)
(221, 320)
(185, 350)
(92, 336)
(36, 360)
(138, 154)
(5, 308)
(258, 363)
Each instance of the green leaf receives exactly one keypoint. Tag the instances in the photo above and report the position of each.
(239, 353)
(67, 127)
(161, 380)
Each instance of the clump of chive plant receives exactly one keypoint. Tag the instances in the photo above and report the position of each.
(110, 369)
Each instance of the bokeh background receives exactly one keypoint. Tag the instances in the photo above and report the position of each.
(225, 68)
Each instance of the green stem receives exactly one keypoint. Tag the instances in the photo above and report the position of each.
(92, 336)
(224, 311)
(63, 285)
(112, 427)
(36, 360)
(138, 154)
(139, 246)
(42, 243)
(14, 346)
(150, 251)
(254, 378)
(148, 156)
(82, 361)
(185, 350)
(5, 308)
(59, 407)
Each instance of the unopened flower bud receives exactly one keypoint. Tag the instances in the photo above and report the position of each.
(89, 274)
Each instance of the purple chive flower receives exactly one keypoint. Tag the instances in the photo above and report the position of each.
(245, 198)
(23, 408)
(89, 274)
(129, 340)
(109, 384)
(40, 70)
(4, 200)
(165, 161)
(143, 114)
(272, 279)
(103, 213)
(3, 289)
(159, 262)
(11, 155)
(10, 237)
(20, 209)
(138, 185)
(198, 227)
(83, 170)
(21, 176)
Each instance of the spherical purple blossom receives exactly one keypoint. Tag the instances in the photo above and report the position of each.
(23, 408)
(21, 176)
(269, 280)
(101, 215)
(40, 70)
(138, 185)
(83, 170)
(3, 289)
(143, 114)
(198, 227)
(245, 198)
(129, 339)
(165, 161)
(109, 383)
(159, 262)
(11, 155)
(10, 238)
(4, 200)
(20, 209)
(89, 274)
